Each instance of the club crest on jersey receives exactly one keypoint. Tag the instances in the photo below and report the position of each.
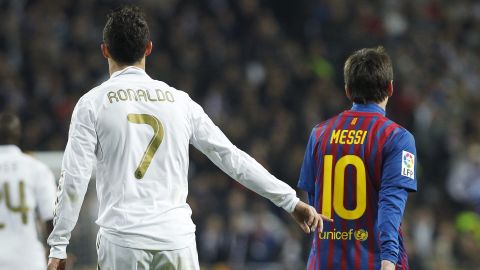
(359, 235)
(408, 164)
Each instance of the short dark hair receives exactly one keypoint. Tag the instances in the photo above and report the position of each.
(10, 129)
(126, 34)
(367, 74)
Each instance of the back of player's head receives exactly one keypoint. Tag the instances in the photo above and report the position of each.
(367, 74)
(10, 129)
(126, 34)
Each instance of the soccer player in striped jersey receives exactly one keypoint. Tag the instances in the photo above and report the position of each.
(358, 169)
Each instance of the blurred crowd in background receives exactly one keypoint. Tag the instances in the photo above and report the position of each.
(266, 72)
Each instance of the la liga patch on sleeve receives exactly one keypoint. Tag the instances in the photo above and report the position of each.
(408, 164)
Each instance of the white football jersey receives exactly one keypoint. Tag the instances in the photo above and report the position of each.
(27, 192)
(137, 131)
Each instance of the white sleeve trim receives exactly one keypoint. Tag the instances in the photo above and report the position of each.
(58, 252)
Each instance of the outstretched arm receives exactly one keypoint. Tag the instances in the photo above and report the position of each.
(77, 165)
(211, 141)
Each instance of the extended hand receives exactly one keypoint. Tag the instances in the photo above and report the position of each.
(56, 264)
(307, 217)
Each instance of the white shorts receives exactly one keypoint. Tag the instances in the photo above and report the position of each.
(114, 257)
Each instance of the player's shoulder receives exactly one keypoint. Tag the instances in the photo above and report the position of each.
(322, 125)
(398, 134)
(326, 122)
(90, 96)
(97, 92)
(176, 91)
(319, 129)
(34, 164)
(397, 128)
(178, 94)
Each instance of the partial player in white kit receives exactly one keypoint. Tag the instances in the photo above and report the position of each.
(27, 193)
(137, 131)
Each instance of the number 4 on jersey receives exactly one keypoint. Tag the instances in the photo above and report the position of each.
(22, 208)
(154, 142)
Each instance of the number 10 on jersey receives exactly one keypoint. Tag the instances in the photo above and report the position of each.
(338, 170)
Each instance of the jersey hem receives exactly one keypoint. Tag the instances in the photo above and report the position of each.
(142, 242)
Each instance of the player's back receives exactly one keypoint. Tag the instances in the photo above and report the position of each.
(143, 129)
(347, 169)
(27, 188)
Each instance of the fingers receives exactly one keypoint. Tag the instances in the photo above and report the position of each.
(316, 219)
(312, 219)
(320, 224)
(325, 218)
(311, 213)
(308, 219)
(304, 227)
(322, 219)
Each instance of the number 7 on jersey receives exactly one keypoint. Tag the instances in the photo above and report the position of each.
(155, 142)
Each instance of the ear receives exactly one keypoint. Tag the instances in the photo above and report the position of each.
(390, 89)
(105, 51)
(148, 49)
(347, 92)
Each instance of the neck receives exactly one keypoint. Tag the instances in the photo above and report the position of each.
(114, 66)
(383, 104)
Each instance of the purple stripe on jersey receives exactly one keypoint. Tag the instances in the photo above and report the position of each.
(365, 251)
(355, 250)
(380, 128)
(343, 223)
(311, 265)
(322, 257)
(403, 260)
(319, 134)
(372, 193)
(332, 245)
(378, 162)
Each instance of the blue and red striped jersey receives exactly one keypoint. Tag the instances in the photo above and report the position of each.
(358, 169)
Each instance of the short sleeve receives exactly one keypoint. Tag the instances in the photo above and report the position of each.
(400, 161)
(307, 172)
(45, 189)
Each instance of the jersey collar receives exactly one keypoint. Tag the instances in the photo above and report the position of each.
(130, 70)
(369, 107)
(9, 149)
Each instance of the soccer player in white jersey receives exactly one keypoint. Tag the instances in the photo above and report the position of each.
(137, 131)
(27, 193)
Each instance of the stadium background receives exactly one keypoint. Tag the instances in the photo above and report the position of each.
(267, 72)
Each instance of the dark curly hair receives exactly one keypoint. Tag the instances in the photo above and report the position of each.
(126, 34)
(367, 74)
